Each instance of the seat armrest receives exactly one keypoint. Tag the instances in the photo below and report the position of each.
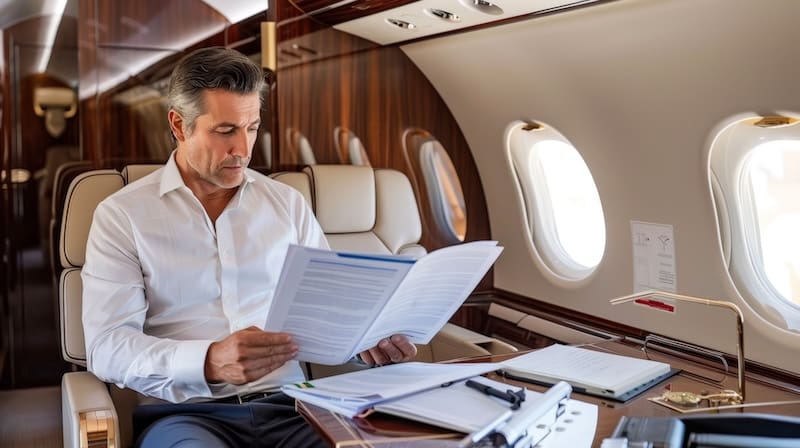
(314, 371)
(89, 417)
(454, 342)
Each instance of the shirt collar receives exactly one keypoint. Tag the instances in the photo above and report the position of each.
(172, 180)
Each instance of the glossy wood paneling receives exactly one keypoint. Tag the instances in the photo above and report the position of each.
(378, 94)
(35, 140)
(129, 45)
(173, 24)
(349, 11)
(582, 321)
(30, 338)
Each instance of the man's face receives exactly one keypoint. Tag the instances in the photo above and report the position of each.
(217, 151)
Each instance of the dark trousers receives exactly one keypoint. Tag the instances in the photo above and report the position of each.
(267, 422)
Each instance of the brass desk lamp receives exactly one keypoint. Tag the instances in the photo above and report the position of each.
(686, 397)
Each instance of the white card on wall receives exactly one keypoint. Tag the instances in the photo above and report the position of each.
(653, 257)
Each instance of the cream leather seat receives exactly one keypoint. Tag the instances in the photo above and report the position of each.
(359, 208)
(88, 411)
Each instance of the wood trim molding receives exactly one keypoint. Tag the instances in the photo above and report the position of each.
(479, 320)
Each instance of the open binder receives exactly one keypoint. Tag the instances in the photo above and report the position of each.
(590, 372)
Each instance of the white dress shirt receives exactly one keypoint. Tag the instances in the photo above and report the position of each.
(160, 283)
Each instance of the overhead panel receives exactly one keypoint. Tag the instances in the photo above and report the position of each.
(430, 17)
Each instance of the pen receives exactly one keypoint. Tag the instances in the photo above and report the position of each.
(515, 398)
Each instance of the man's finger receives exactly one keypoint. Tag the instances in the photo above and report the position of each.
(406, 348)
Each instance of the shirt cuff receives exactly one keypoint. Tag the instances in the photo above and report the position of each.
(188, 366)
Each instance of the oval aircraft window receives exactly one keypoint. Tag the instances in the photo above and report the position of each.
(299, 148)
(561, 201)
(435, 177)
(755, 173)
(349, 147)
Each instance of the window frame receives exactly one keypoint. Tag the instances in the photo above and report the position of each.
(732, 145)
(552, 257)
(425, 156)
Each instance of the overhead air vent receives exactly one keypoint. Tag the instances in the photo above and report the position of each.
(430, 17)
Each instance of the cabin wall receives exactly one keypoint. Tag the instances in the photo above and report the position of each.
(637, 86)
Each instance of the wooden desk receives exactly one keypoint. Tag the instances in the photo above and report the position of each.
(385, 431)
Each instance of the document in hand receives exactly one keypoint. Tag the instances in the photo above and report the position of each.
(589, 371)
(351, 393)
(338, 304)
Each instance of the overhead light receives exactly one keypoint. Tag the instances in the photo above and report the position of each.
(235, 12)
(774, 121)
(56, 9)
(483, 6)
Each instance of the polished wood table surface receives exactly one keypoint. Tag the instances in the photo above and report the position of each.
(385, 431)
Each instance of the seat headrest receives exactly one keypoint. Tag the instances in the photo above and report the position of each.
(135, 172)
(343, 197)
(300, 181)
(85, 192)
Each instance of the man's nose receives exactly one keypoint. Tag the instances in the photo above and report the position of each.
(241, 145)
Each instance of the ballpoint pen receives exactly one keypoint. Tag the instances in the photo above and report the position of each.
(515, 398)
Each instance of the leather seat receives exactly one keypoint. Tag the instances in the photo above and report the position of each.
(359, 208)
(88, 413)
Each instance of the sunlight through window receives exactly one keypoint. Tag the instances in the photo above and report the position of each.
(561, 200)
(774, 172)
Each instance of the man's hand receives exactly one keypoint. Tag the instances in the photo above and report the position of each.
(247, 355)
(394, 349)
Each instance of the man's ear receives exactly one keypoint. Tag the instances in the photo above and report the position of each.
(176, 125)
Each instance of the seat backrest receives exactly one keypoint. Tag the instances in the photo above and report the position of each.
(64, 175)
(360, 208)
(85, 192)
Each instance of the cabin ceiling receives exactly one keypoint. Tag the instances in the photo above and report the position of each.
(16, 11)
(43, 34)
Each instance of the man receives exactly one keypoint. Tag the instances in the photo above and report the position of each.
(181, 267)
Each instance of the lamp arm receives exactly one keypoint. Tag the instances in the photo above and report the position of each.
(740, 368)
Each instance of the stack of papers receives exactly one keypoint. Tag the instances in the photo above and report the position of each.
(353, 393)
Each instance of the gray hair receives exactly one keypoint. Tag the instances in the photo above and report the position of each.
(210, 68)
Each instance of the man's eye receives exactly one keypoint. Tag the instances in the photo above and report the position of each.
(226, 131)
